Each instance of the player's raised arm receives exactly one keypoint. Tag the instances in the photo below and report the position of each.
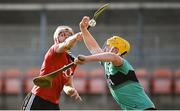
(89, 41)
(65, 38)
(68, 43)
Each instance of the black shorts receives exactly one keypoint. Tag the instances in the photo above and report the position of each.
(33, 102)
(151, 109)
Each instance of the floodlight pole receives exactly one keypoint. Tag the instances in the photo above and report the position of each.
(140, 49)
(42, 37)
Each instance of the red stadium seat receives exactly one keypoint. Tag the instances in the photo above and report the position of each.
(1, 82)
(97, 82)
(80, 80)
(29, 75)
(13, 81)
(144, 78)
(2, 92)
(177, 82)
(162, 81)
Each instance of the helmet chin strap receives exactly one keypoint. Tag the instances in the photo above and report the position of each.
(123, 53)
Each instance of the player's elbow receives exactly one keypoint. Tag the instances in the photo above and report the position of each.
(114, 56)
(116, 60)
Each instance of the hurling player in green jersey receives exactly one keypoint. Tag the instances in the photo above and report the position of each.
(122, 81)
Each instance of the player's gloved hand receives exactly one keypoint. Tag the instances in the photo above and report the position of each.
(72, 92)
(80, 59)
(84, 23)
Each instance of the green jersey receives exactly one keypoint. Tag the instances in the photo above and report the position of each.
(125, 87)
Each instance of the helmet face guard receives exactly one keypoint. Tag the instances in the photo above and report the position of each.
(105, 46)
(121, 44)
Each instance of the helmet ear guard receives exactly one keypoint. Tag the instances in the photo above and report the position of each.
(120, 43)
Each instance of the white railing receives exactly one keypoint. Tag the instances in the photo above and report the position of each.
(87, 6)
